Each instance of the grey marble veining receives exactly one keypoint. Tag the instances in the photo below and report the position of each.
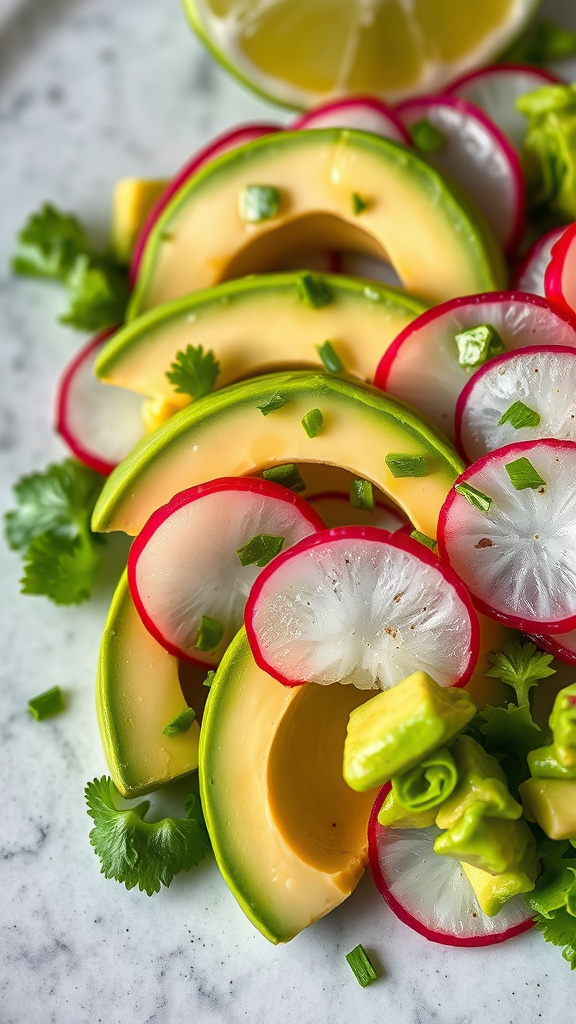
(91, 90)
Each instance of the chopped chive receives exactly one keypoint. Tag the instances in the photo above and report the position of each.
(361, 965)
(476, 498)
(210, 635)
(478, 344)
(261, 549)
(314, 291)
(272, 404)
(181, 723)
(520, 415)
(313, 422)
(423, 538)
(287, 475)
(358, 204)
(46, 704)
(523, 475)
(331, 361)
(362, 495)
(426, 137)
(209, 678)
(401, 464)
(259, 202)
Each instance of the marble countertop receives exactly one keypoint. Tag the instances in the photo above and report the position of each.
(92, 90)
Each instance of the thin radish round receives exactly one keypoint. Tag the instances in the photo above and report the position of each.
(217, 147)
(508, 529)
(99, 423)
(496, 89)
(363, 113)
(533, 390)
(560, 275)
(430, 893)
(188, 564)
(529, 275)
(423, 366)
(363, 606)
(561, 645)
(335, 509)
(477, 156)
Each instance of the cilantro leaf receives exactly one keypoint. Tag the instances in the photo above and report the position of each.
(98, 292)
(556, 884)
(560, 930)
(58, 501)
(49, 244)
(520, 666)
(61, 569)
(509, 733)
(194, 372)
(141, 853)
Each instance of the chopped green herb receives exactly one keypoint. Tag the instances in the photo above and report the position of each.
(209, 678)
(520, 666)
(550, 150)
(542, 42)
(401, 465)
(314, 291)
(361, 965)
(520, 415)
(358, 204)
(98, 294)
(313, 422)
(331, 361)
(271, 404)
(194, 372)
(478, 344)
(261, 549)
(423, 538)
(362, 495)
(181, 723)
(49, 244)
(523, 474)
(426, 137)
(476, 498)
(46, 704)
(287, 475)
(210, 634)
(259, 202)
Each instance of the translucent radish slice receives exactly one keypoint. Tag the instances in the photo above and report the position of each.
(99, 423)
(360, 605)
(518, 558)
(335, 509)
(421, 366)
(561, 645)
(479, 158)
(560, 275)
(529, 275)
(184, 565)
(364, 113)
(217, 147)
(543, 379)
(496, 90)
(430, 893)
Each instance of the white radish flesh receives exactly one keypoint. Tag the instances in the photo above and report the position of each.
(529, 276)
(363, 113)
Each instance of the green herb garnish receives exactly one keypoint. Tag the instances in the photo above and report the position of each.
(181, 723)
(358, 204)
(426, 137)
(46, 704)
(523, 474)
(259, 202)
(541, 43)
(520, 666)
(209, 678)
(402, 465)
(288, 475)
(361, 965)
(98, 294)
(209, 635)
(314, 291)
(423, 538)
(331, 361)
(271, 404)
(194, 372)
(478, 344)
(313, 422)
(475, 497)
(362, 495)
(261, 549)
(520, 415)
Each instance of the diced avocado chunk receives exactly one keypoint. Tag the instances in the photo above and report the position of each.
(544, 764)
(492, 891)
(496, 845)
(552, 804)
(428, 783)
(393, 815)
(481, 781)
(563, 724)
(394, 731)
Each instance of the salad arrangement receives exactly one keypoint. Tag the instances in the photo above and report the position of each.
(255, 441)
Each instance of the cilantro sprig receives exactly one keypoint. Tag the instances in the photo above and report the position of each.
(520, 666)
(194, 372)
(553, 898)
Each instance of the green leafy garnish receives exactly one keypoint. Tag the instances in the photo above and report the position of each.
(402, 465)
(556, 885)
(358, 204)
(477, 345)
(259, 202)
(49, 244)
(313, 422)
(560, 930)
(314, 291)
(261, 549)
(541, 43)
(550, 148)
(194, 372)
(271, 404)
(361, 965)
(209, 634)
(331, 361)
(98, 292)
(520, 415)
(362, 495)
(181, 723)
(46, 704)
(509, 731)
(520, 666)
(426, 137)
(523, 474)
(138, 852)
(61, 569)
(476, 498)
(288, 475)
(209, 678)
(422, 538)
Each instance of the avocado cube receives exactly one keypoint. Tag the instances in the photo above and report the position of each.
(480, 781)
(552, 804)
(544, 764)
(562, 721)
(496, 845)
(492, 891)
(393, 815)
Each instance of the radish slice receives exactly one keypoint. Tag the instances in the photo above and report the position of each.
(217, 147)
(335, 509)
(421, 366)
(529, 275)
(99, 423)
(357, 264)
(543, 379)
(479, 158)
(517, 558)
(185, 564)
(560, 276)
(364, 113)
(360, 605)
(430, 893)
(561, 645)
(496, 90)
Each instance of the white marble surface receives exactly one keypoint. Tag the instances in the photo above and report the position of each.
(91, 90)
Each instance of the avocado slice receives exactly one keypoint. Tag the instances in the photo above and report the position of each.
(413, 218)
(288, 834)
(131, 203)
(137, 694)
(255, 325)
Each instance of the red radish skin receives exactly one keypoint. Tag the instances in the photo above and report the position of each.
(242, 485)
(529, 274)
(217, 147)
(397, 540)
(479, 158)
(107, 400)
(376, 832)
(560, 276)
(562, 646)
(363, 113)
